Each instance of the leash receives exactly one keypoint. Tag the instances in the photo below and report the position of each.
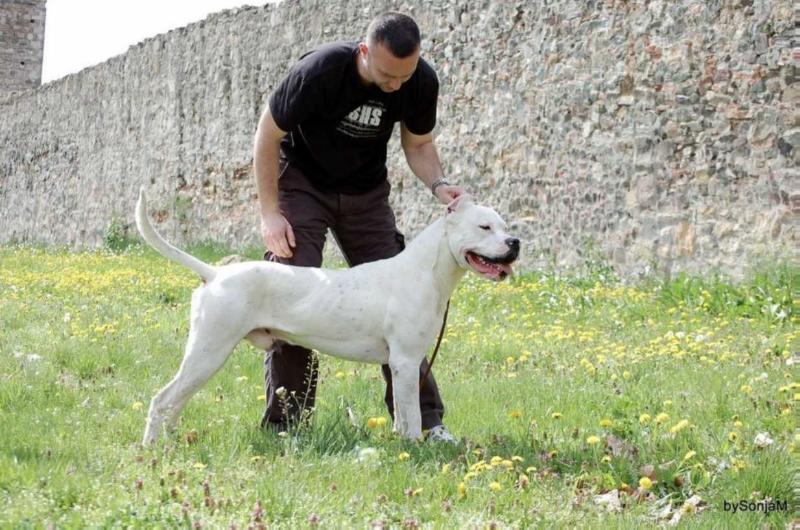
(438, 343)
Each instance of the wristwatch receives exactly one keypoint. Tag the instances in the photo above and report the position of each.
(441, 181)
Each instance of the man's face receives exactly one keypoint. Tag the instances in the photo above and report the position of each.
(386, 70)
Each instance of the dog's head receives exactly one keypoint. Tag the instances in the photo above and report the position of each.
(478, 239)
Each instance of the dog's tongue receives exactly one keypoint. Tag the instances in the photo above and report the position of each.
(505, 267)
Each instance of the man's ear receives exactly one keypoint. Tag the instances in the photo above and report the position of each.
(458, 203)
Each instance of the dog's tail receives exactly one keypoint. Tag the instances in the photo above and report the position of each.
(206, 272)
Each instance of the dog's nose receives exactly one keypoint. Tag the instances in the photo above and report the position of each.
(513, 243)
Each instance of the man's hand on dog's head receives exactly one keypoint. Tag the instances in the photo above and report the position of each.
(277, 234)
(447, 193)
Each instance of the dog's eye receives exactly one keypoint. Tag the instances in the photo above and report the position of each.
(485, 227)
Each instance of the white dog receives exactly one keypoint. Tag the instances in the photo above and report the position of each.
(387, 311)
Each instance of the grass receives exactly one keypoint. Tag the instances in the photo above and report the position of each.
(563, 389)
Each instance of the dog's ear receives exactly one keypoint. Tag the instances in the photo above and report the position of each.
(458, 203)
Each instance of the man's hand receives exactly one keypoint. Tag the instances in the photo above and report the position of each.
(277, 234)
(447, 193)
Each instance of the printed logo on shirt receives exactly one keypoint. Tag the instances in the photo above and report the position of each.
(363, 122)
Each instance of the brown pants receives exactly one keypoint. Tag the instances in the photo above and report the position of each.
(364, 227)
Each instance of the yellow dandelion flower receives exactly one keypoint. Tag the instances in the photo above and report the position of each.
(606, 423)
(381, 421)
(262, 397)
(403, 456)
(495, 486)
(199, 465)
(137, 405)
(517, 458)
(515, 414)
(678, 427)
(662, 417)
(478, 466)
(645, 483)
(626, 375)
(470, 475)
(606, 459)
(556, 415)
(495, 460)
(531, 469)
(462, 490)
(667, 402)
(738, 424)
(593, 440)
(445, 469)
(644, 419)
(509, 360)
(733, 436)
(372, 423)
(747, 389)
(340, 374)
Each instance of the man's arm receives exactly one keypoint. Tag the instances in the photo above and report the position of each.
(275, 229)
(424, 161)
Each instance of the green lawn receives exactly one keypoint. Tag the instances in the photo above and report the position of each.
(565, 391)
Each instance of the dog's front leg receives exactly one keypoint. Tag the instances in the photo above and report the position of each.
(405, 383)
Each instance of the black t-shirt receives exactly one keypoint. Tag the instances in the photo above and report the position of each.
(338, 127)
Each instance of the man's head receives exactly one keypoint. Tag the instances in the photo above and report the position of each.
(390, 54)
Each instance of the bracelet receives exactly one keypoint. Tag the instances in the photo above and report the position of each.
(441, 181)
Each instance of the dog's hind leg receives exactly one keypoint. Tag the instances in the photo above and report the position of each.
(205, 354)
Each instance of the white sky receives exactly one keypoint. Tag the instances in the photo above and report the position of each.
(81, 33)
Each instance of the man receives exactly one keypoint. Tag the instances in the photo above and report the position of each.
(320, 163)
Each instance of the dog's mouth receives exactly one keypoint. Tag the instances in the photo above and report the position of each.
(496, 268)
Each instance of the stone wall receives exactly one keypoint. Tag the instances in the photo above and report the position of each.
(21, 43)
(656, 133)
